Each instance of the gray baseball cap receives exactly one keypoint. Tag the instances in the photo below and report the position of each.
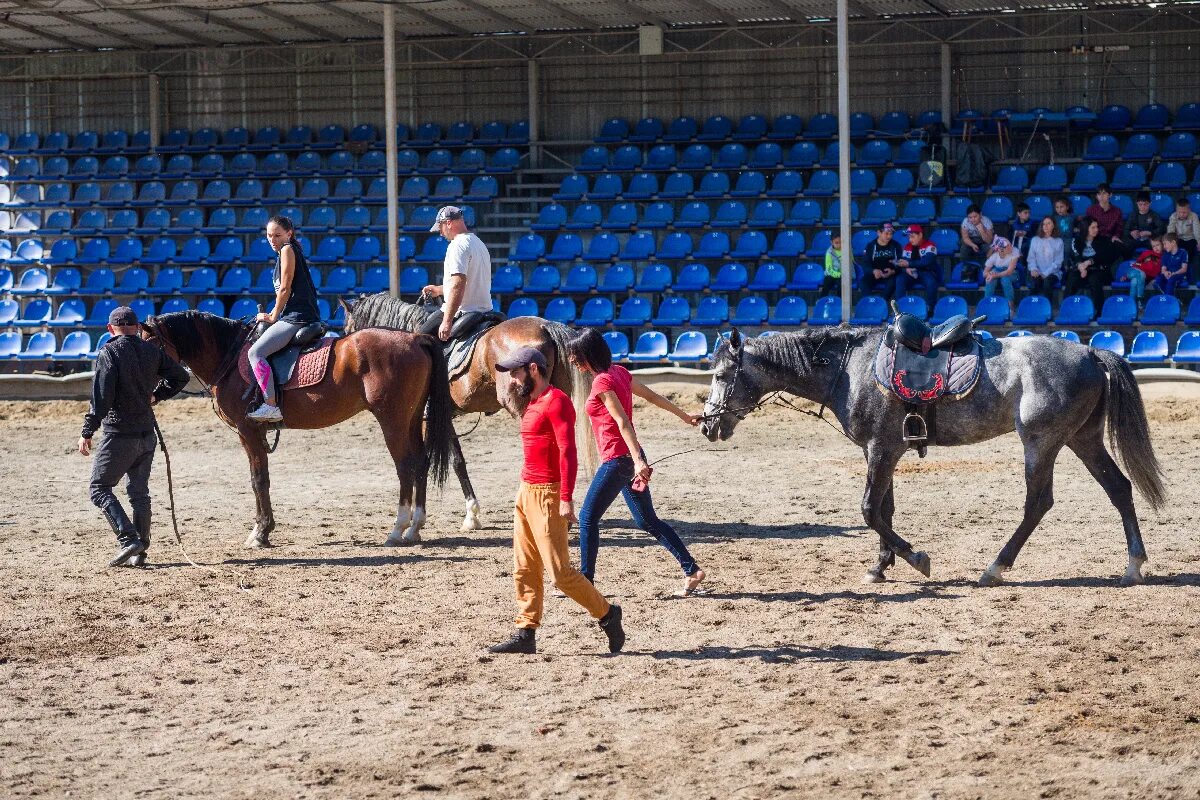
(445, 214)
(522, 357)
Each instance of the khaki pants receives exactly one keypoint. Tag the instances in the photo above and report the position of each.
(540, 542)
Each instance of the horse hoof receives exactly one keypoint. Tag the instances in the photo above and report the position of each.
(471, 524)
(919, 561)
(411, 537)
(1132, 580)
(874, 577)
(988, 579)
(257, 543)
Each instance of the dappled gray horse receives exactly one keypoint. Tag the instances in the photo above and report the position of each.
(1052, 392)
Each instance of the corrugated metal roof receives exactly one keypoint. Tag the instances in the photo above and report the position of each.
(33, 25)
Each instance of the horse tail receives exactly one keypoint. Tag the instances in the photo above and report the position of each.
(1128, 431)
(439, 425)
(576, 383)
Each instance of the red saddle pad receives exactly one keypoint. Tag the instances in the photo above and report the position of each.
(309, 371)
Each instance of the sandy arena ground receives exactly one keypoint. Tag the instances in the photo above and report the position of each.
(332, 667)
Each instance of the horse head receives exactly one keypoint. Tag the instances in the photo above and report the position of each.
(733, 392)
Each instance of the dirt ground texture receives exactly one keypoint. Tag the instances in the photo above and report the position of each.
(332, 667)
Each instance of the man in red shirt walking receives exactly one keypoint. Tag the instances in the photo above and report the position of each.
(545, 507)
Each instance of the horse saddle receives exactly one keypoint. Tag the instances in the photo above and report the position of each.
(464, 336)
(922, 364)
(302, 363)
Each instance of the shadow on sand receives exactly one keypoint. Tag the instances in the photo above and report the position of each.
(347, 561)
(793, 653)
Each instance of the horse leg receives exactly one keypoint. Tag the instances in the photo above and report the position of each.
(407, 455)
(881, 465)
(1040, 456)
(473, 520)
(1088, 444)
(886, 557)
(254, 442)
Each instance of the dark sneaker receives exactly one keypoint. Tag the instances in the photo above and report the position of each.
(611, 623)
(128, 550)
(523, 641)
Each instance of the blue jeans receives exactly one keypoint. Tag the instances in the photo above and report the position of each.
(1008, 284)
(613, 478)
(928, 281)
(1137, 283)
(1168, 285)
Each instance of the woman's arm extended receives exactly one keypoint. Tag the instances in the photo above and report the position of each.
(654, 398)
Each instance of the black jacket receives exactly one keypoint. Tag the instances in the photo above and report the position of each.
(128, 371)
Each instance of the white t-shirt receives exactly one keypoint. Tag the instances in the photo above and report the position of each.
(469, 256)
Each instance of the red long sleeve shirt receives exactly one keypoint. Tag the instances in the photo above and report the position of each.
(1112, 222)
(548, 438)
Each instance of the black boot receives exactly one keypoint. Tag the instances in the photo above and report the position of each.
(611, 623)
(523, 641)
(129, 544)
(141, 521)
(129, 548)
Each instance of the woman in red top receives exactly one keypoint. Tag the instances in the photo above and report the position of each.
(624, 469)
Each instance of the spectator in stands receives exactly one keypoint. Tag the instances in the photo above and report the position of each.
(623, 470)
(1045, 261)
(1142, 225)
(1064, 218)
(832, 283)
(466, 278)
(1001, 268)
(1023, 230)
(126, 369)
(1146, 268)
(1094, 256)
(977, 233)
(1108, 217)
(1186, 226)
(295, 309)
(1174, 265)
(919, 266)
(879, 263)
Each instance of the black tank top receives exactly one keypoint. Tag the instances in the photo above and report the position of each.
(301, 308)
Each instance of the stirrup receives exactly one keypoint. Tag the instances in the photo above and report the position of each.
(915, 432)
(265, 413)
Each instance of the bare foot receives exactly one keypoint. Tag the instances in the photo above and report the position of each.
(693, 581)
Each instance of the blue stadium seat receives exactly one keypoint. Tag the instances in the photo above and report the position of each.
(412, 280)
(786, 127)
(523, 307)
(713, 184)
(66, 281)
(331, 250)
(39, 347)
(913, 304)
(749, 184)
(201, 281)
(95, 251)
(998, 209)
(690, 347)
(712, 245)
(826, 311)
(122, 222)
(751, 127)
(1113, 118)
(731, 156)
(618, 345)
(655, 278)
(651, 346)
(1075, 310)
(1187, 348)
(672, 311)
(895, 124)
(1169, 176)
(993, 309)
(692, 277)
(129, 251)
(661, 158)
(786, 183)
(1152, 117)
(432, 252)
(918, 210)
(506, 159)
(821, 126)
(566, 247)
(1033, 311)
(550, 217)
(354, 219)
(1179, 147)
(875, 153)
(613, 130)
(594, 159)
(750, 312)
(638, 247)
(693, 215)
(766, 214)
(896, 182)
(730, 214)
(648, 129)
(448, 188)
(585, 217)
(160, 251)
(1050, 178)
(822, 183)
(169, 280)
(506, 280)
(789, 311)
(657, 216)
(805, 213)
(711, 311)
(947, 306)
(1140, 147)
(862, 182)
(75, 347)
(871, 309)
(882, 210)
(1118, 310)
(833, 213)
(1161, 309)
(802, 155)
(1070, 336)
(617, 278)
(86, 194)
(530, 247)
(580, 279)
(483, 189)
(642, 186)
(606, 186)
(1088, 177)
(561, 309)
(36, 314)
(602, 247)
(716, 128)
(1108, 340)
(769, 277)
(634, 312)
(681, 129)
(807, 276)
(1128, 178)
(767, 155)
(696, 157)
(365, 249)
(677, 186)
(750, 245)
(675, 246)
(831, 158)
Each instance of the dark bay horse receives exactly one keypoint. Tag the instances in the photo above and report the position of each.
(391, 374)
(475, 388)
(1052, 392)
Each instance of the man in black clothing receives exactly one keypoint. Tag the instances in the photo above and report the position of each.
(879, 263)
(130, 376)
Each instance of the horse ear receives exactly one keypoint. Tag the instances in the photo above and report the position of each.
(895, 309)
(735, 340)
(347, 307)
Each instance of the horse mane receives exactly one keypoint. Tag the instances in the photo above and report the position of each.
(384, 311)
(186, 331)
(795, 352)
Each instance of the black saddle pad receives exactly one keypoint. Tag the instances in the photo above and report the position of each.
(923, 378)
(460, 351)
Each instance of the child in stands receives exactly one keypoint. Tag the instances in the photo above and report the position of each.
(1146, 268)
(1023, 231)
(832, 284)
(1174, 265)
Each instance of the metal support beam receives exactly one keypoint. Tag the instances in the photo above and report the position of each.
(71, 44)
(153, 90)
(211, 18)
(389, 137)
(843, 92)
(140, 44)
(146, 19)
(535, 151)
(554, 8)
(947, 72)
(320, 34)
(512, 23)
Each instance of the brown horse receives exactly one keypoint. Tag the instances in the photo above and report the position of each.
(475, 389)
(393, 375)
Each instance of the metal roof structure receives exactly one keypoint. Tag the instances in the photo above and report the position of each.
(28, 26)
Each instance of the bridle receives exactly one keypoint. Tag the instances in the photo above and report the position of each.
(223, 369)
(777, 397)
